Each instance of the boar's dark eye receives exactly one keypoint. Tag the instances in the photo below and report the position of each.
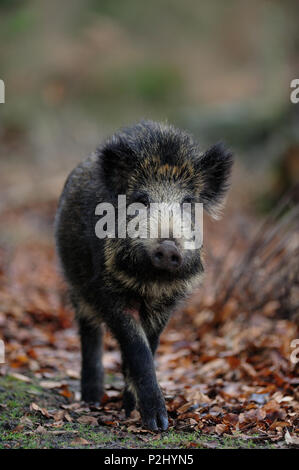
(141, 198)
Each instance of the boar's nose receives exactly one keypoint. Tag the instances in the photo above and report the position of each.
(167, 256)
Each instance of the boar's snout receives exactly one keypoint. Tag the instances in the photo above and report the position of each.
(166, 256)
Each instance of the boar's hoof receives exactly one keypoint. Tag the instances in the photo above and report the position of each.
(159, 420)
(92, 395)
(155, 417)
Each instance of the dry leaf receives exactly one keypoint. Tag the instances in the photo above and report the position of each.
(41, 430)
(21, 377)
(79, 441)
(43, 411)
(48, 384)
(291, 440)
(88, 420)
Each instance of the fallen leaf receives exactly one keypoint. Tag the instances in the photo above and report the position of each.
(41, 430)
(21, 377)
(73, 374)
(43, 411)
(79, 441)
(48, 384)
(88, 420)
(221, 428)
(291, 440)
(26, 421)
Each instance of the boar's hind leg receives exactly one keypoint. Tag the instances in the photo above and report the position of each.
(129, 399)
(92, 369)
(138, 361)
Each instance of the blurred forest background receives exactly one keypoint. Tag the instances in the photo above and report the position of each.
(74, 73)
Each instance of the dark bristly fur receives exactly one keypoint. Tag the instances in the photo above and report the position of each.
(107, 277)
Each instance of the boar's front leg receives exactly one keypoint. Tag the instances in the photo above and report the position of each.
(153, 320)
(139, 365)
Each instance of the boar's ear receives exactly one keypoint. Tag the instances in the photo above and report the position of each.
(118, 162)
(214, 169)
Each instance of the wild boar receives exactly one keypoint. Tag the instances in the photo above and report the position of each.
(147, 163)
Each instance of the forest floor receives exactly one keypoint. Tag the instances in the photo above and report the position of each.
(33, 418)
(225, 372)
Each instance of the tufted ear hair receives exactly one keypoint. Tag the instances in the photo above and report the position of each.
(118, 163)
(214, 169)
